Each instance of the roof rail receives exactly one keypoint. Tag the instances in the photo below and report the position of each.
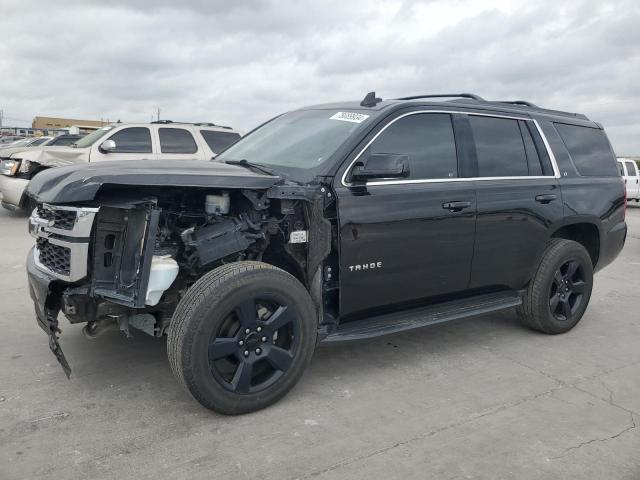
(440, 95)
(205, 124)
(162, 121)
(518, 102)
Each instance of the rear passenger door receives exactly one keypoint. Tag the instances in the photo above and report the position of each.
(518, 198)
(177, 144)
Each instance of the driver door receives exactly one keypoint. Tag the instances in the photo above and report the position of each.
(405, 241)
(132, 143)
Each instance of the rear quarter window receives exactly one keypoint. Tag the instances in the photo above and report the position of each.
(589, 150)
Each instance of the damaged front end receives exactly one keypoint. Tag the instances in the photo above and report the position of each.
(125, 260)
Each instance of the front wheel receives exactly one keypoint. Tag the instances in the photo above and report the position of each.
(242, 336)
(559, 292)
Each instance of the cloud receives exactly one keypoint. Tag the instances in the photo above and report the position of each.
(240, 63)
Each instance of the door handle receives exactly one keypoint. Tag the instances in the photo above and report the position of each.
(546, 198)
(456, 206)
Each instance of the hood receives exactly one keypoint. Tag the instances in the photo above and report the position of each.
(81, 183)
(49, 156)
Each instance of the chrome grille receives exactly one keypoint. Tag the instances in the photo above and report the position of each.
(54, 257)
(62, 219)
(62, 239)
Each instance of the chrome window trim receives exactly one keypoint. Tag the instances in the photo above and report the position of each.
(552, 157)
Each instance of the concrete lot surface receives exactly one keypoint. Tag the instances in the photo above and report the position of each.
(480, 399)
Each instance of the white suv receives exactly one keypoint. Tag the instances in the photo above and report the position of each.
(141, 141)
(631, 175)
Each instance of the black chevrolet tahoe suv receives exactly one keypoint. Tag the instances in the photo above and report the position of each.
(329, 224)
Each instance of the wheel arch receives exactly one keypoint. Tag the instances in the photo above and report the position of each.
(586, 234)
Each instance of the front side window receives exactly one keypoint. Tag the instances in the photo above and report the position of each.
(589, 150)
(132, 140)
(176, 140)
(631, 169)
(219, 141)
(500, 148)
(621, 168)
(427, 139)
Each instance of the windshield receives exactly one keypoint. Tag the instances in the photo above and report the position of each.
(39, 141)
(300, 140)
(93, 137)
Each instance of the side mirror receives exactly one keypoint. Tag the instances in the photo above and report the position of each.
(381, 165)
(107, 146)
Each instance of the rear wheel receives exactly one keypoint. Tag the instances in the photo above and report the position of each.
(242, 336)
(559, 293)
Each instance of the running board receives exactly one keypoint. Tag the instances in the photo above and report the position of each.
(421, 317)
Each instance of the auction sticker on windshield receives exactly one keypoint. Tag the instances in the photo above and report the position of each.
(350, 117)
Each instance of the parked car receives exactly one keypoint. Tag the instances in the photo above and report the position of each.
(5, 139)
(164, 140)
(63, 140)
(631, 175)
(29, 143)
(25, 142)
(330, 224)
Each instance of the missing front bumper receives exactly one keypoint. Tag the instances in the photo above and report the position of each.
(46, 301)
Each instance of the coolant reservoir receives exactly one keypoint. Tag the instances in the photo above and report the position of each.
(217, 204)
(164, 271)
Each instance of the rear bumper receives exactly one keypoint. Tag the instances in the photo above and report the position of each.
(12, 189)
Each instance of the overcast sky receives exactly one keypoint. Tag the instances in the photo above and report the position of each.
(241, 62)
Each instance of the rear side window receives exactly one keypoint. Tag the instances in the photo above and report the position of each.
(176, 140)
(631, 169)
(219, 141)
(132, 140)
(499, 147)
(589, 150)
(428, 141)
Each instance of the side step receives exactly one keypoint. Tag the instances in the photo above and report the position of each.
(421, 317)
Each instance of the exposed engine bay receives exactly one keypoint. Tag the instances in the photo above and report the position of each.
(146, 248)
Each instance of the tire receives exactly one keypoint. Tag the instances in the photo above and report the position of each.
(223, 367)
(558, 295)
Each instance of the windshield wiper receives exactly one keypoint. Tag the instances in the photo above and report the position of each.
(247, 164)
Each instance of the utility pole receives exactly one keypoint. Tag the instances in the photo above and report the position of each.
(1, 115)
(158, 113)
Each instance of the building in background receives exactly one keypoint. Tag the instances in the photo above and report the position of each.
(72, 125)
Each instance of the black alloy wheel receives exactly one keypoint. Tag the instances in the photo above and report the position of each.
(567, 290)
(241, 336)
(558, 294)
(254, 346)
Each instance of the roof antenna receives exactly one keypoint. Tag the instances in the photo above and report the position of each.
(370, 100)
